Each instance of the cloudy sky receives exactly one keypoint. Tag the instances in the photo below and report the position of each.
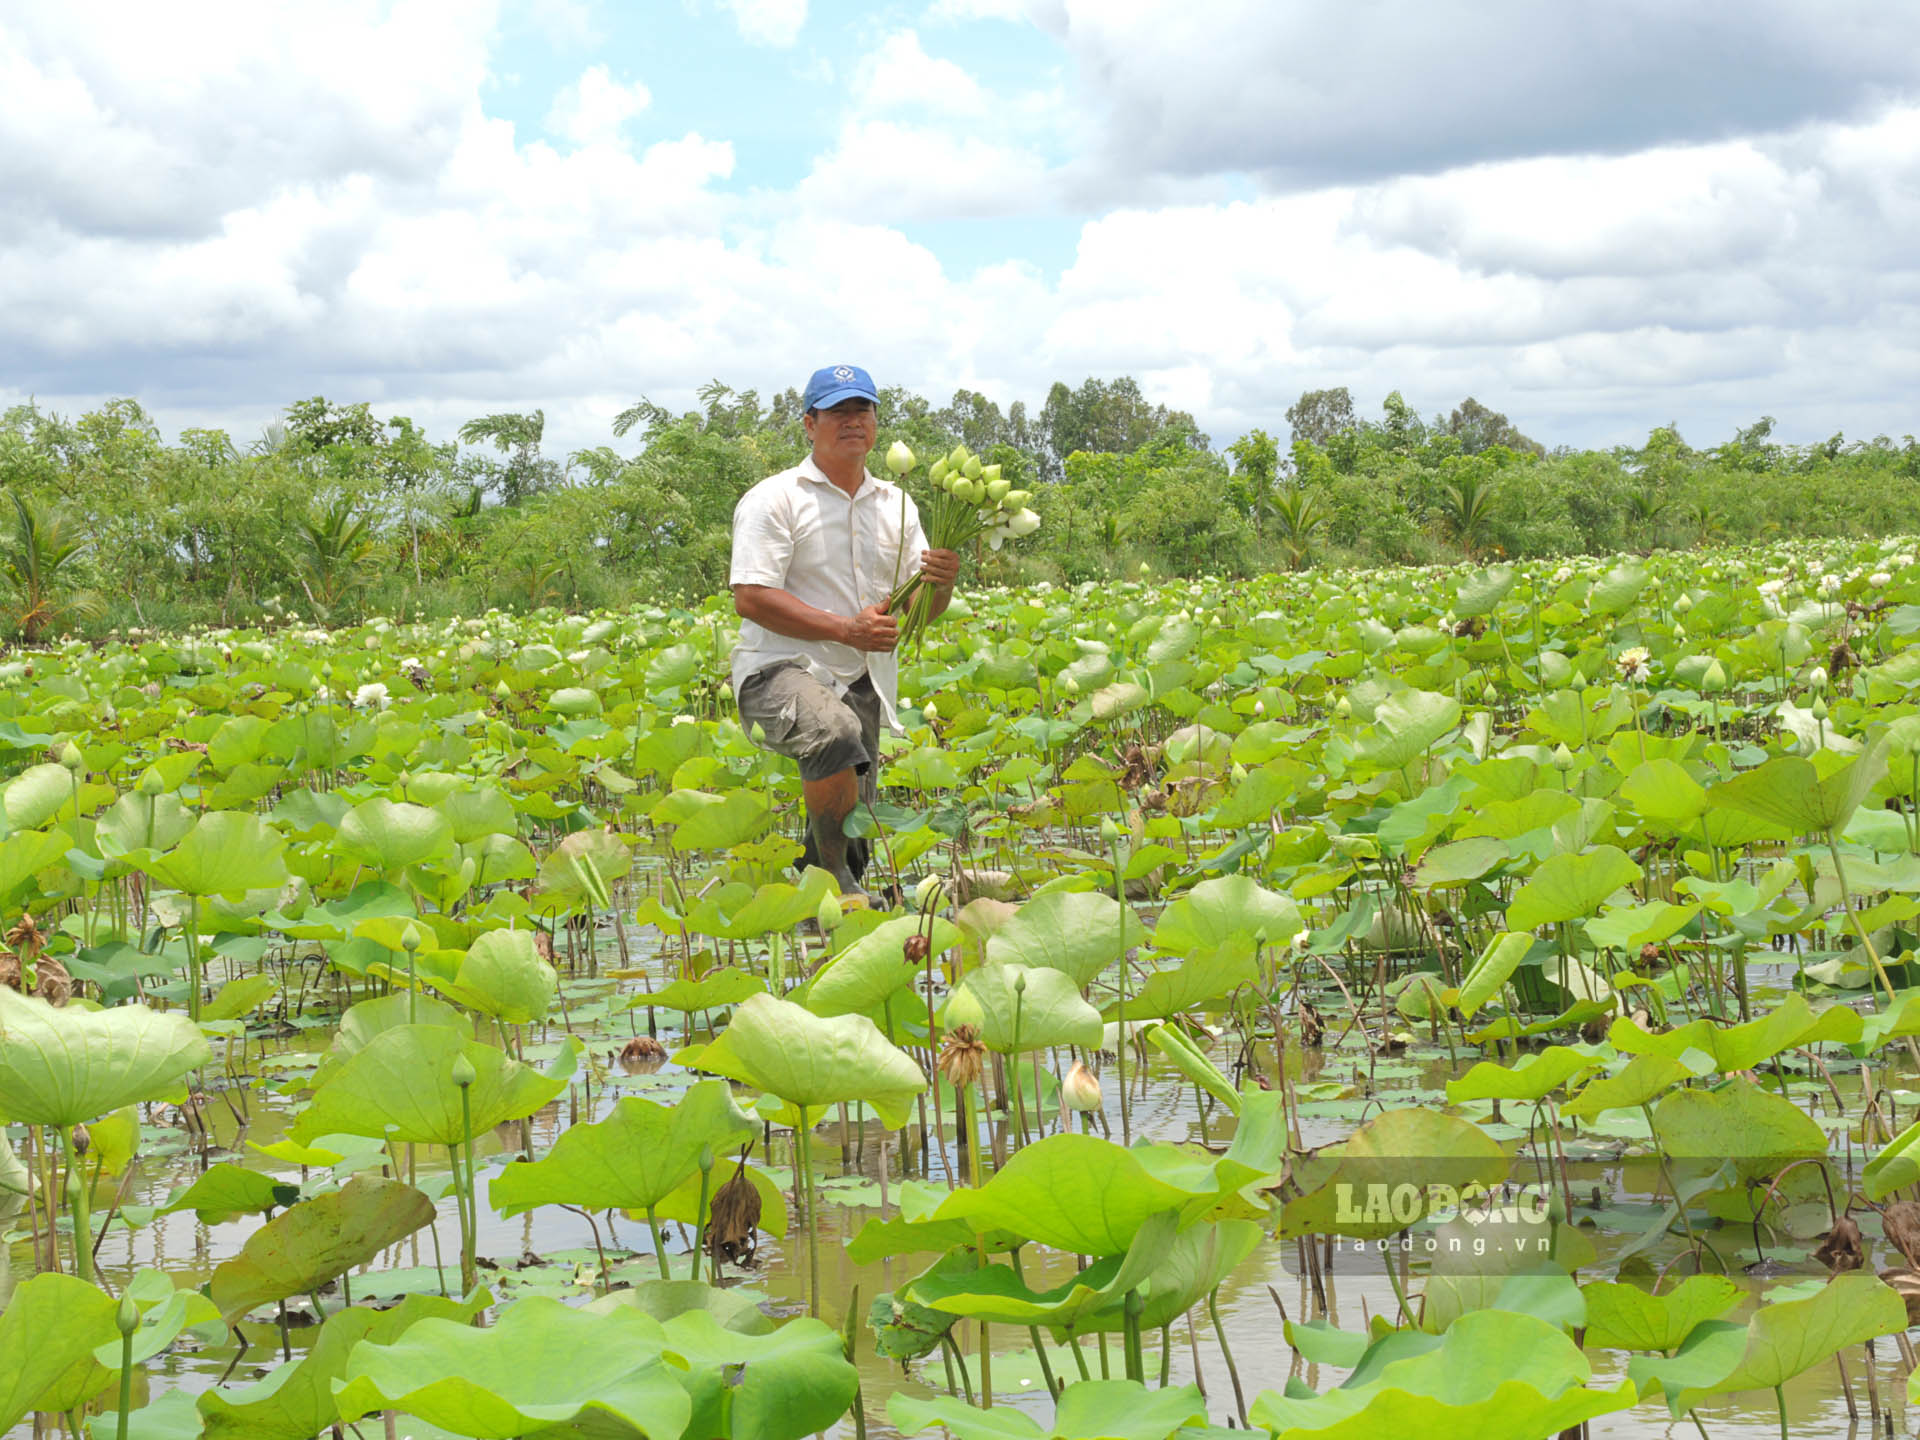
(1595, 218)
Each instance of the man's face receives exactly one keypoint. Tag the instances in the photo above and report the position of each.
(844, 432)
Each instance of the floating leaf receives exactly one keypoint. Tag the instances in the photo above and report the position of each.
(317, 1241)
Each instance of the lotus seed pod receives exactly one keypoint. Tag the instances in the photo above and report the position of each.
(899, 457)
(1081, 1089)
(463, 1072)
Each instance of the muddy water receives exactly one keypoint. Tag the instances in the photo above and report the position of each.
(553, 1251)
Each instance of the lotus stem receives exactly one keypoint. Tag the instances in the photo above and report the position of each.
(659, 1243)
(1226, 1353)
(1033, 1332)
(969, 1110)
(1120, 1043)
(127, 1317)
(700, 1215)
(1136, 1362)
(77, 1200)
(1780, 1400)
(803, 1135)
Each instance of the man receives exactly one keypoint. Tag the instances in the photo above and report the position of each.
(817, 552)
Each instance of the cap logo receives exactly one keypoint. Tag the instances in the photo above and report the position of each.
(842, 373)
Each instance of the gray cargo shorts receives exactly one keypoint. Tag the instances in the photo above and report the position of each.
(803, 719)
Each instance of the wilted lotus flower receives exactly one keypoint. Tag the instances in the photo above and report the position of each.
(1081, 1089)
(963, 1057)
(899, 458)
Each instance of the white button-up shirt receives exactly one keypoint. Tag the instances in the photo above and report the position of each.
(799, 532)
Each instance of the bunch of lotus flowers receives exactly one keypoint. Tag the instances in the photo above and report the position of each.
(970, 501)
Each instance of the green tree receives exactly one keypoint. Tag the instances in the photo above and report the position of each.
(517, 436)
(38, 568)
(1256, 468)
(1319, 415)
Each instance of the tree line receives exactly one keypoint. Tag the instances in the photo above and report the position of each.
(334, 512)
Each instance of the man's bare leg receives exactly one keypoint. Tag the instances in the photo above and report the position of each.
(829, 802)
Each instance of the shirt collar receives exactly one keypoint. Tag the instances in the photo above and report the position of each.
(810, 471)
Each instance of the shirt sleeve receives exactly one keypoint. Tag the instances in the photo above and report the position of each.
(762, 539)
(915, 540)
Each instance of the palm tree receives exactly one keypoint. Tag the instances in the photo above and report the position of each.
(31, 568)
(1707, 523)
(1645, 506)
(1467, 507)
(1298, 515)
(338, 539)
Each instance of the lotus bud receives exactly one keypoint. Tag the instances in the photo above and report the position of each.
(151, 785)
(126, 1316)
(1489, 696)
(1715, 678)
(463, 1072)
(1081, 1089)
(937, 472)
(1109, 832)
(410, 941)
(899, 457)
(1684, 605)
(972, 468)
(1070, 685)
(706, 1159)
(1017, 500)
(1679, 633)
(1020, 983)
(1818, 678)
(829, 915)
(958, 457)
(501, 692)
(1343, 708)
(1145, 570)
(997, 490)
(929, 892)
(1562, 757)
(1819, 707)
(71, 758)
(929, 712)
(991, 473)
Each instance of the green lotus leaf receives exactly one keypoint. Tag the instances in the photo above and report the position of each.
(631, 1160)
(227, 852)
(1077, 1193)
(996, 1293)
(47, 1337)
(239, 997)
(778, 1386)
(36, 795)
(226, 1192)
(1494, 1375)
(1089, 1410)
(1407, 725)
(1481, 591)
(1079, 932)
(1047, 1011)
(1459, 861)
(1645, 1078)
(1789, 1026)
(1778, 1343)
(67, 1066)
(137, 824)
(475, 812)
(1895, 1167)
(784, 1049)
(713, 822)
(1530, 1078)
(732, 1310)
(873, 969)
(1757, 1129)
(1492, 970)
(317, 1241)
(393, 835)
(1398, 1151)
(1230, 910)
(1625, 1317)
(399, 1085)
(682, 1203)
(541, 1366)
(1566, 887)
(295, 1400)
(585, 862)
(1814, 796)
(1203, 980)
(502, 975)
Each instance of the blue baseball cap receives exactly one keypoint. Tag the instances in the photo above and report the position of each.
(830, 386)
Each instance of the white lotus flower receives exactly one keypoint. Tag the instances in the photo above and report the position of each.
(373, 694)
(1023, 522)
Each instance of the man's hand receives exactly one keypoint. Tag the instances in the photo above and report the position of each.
(873, 629)
(942, 567)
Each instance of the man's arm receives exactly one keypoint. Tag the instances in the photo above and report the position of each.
(787, 614)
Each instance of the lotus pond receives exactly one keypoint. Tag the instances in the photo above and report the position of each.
(1467, 1002)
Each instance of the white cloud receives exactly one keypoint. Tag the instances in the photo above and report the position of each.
(950, 12)
(294, 214)
(899, 75)
(593, 110)
(768, 22)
